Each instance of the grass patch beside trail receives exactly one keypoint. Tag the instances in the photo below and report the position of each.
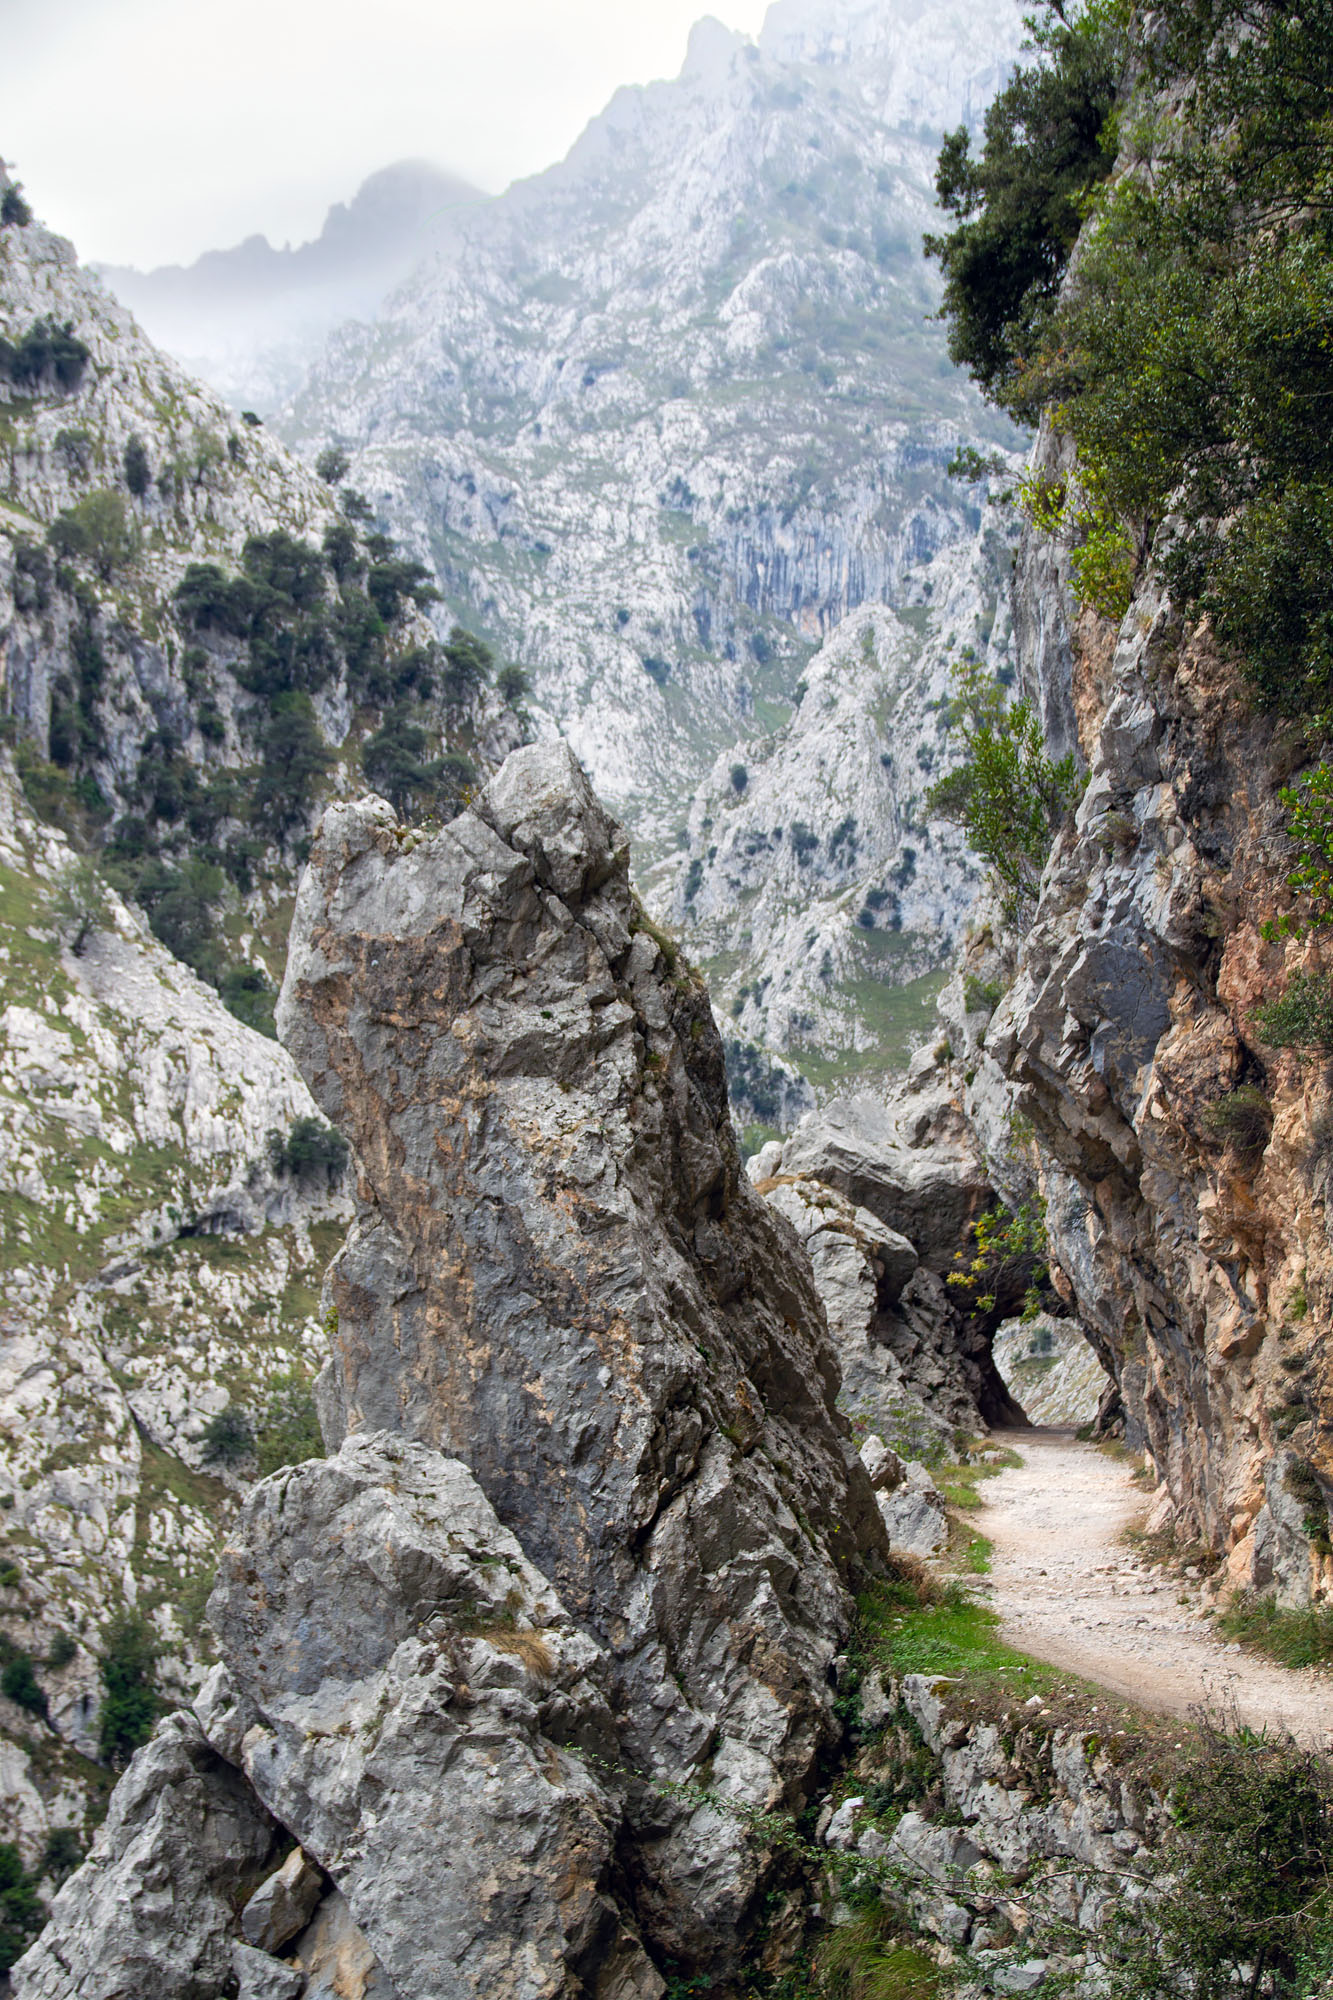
(957, 1481)
(1293, 1638)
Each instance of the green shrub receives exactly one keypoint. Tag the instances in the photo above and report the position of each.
(512, 685)
(62, 1649)
(1308, 808)
(1242, 1120)
(468, 663)
(395, 761)
(1048, 141)
(32, 576)
(341, 552)
(14, 210)
(138, 471)
(97, 530)
(1007, 793)
(47, 353)
(1303, 1483)
(981, 996)
(129, 1682)
(311, 1151)
(1301, 1638)
(1302, 1018)
(250, 997)
(1250, 1901)
(62, 1854)
(227, 1437)
(1187, 348)
(22, 1912)
(332, 465)
(19, 1682)
(740, 778)
(294, 762)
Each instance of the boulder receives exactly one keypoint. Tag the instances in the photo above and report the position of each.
(151, 1909)
(915, 1513)
(284, 1904)
(419, 1707)
(911, 1162)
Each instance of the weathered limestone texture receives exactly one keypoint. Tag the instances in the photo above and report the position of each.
(1199, 1263)
(152, 1909)
(882, 1193)
(1030, 1818)
(411, 1697)
(560, 1276)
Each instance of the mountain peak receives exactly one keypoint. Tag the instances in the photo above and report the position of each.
(711, 48)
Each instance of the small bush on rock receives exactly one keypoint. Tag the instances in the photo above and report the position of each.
(14, 210)
(1007, 793)
(311, 1151)
(97, 531)
(1242, 1120)
(138, 471)
(1302, 1018)
(22, 1912)
(129, 1680)
(1250, 1906)
(227, 1437)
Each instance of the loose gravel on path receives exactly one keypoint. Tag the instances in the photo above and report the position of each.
(1070, 1590)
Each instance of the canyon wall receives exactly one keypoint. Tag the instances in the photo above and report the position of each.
(1197, 1253)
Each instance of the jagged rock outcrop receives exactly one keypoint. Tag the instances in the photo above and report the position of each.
(560, 1275)
(153, 1908)
(1040, 1826)
(883, 1192)
(515, 1663)
(1201, 1270)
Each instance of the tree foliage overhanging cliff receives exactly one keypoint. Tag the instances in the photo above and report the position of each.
(1187, 349)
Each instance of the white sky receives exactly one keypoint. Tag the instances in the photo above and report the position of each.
(149, 130)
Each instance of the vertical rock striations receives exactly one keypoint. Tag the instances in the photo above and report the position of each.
(1197, 1251)
(560, 1275)
(515, 1664)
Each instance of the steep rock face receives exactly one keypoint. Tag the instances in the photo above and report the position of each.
(1202, 1273)
(560, 1275)
(675, 408)
(883, 1192)
(812, 886)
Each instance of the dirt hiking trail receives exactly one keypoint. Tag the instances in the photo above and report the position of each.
(1070, 1590)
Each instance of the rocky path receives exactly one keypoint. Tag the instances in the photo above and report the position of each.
(1070, 1590)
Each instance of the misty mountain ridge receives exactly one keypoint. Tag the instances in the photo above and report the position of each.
(251, 318)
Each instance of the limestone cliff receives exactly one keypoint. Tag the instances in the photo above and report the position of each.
(1201, 1267)
(520, 1664)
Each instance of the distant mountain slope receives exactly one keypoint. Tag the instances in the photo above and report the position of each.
(168, 1197)
(252, 318)
(677, 405)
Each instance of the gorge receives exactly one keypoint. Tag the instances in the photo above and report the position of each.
(499, 1480)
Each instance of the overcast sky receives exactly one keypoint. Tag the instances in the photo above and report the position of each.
(149, 130)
